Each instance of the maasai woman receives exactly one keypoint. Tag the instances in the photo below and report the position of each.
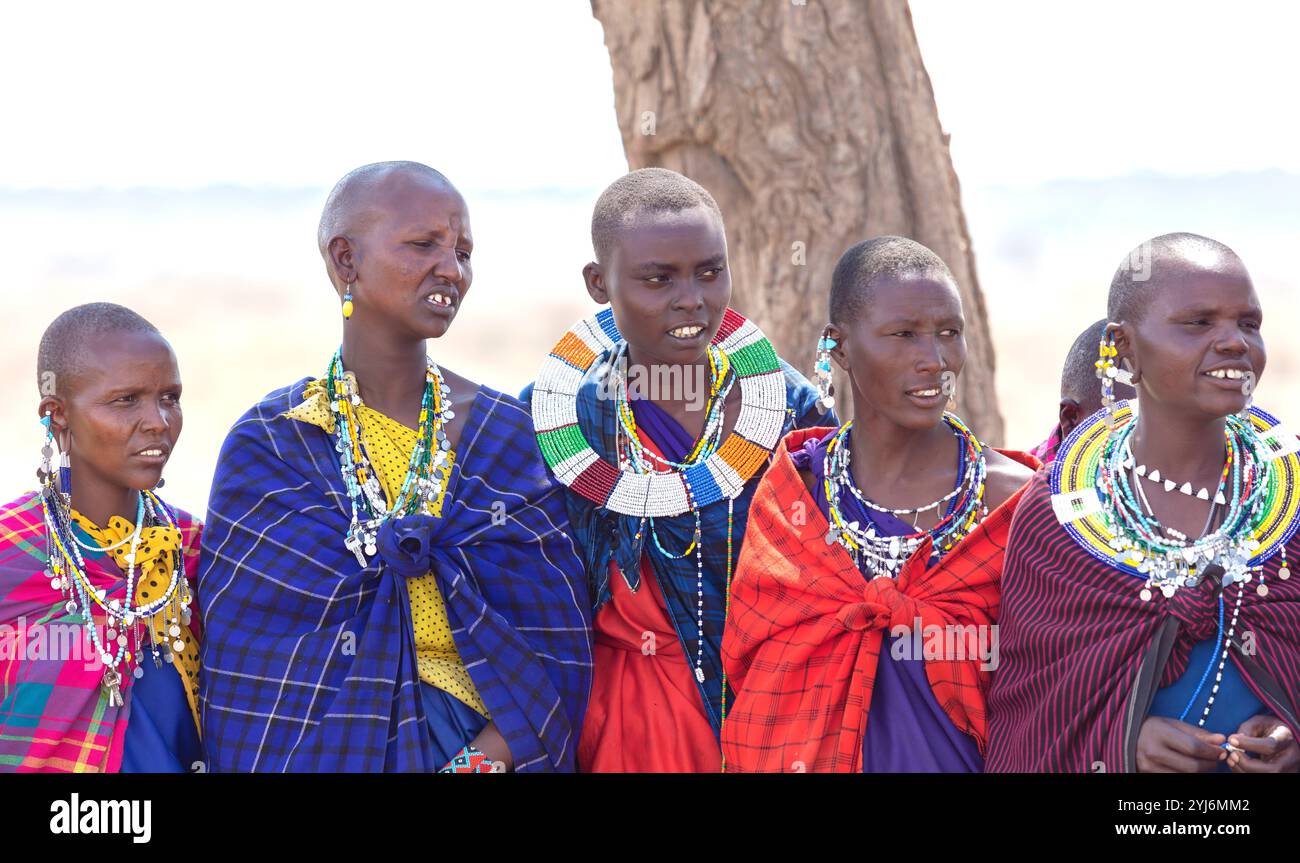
(388, 573)
(1149, 621)
(658, 414)
(98, 643)
(862, 628)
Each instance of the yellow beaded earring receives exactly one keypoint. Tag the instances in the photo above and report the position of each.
(347, 302)
(1107, 372)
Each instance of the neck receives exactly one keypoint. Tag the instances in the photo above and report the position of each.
(887, 452)
(99, 501)
(670, 385)
(1182, 448)
(390, 373)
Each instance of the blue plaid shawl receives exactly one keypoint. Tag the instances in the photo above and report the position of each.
(603, 535)
(309, 660)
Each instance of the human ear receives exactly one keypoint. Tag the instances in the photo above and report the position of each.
(837, 353)
(1068, 416)
(342, 259)
(594, 277)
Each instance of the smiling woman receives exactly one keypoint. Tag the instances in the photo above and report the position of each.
(97, 550)
(1156, 621)
(434, 592)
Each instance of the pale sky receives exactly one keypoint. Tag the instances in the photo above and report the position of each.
(512, 94)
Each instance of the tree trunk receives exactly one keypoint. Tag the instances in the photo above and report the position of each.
(814, 126)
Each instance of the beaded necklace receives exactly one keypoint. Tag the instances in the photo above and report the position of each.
(426, 477)
(1168, 558)
(883, 556)
(1098, 497)
(638, 459)
(720, 474)
(122, 643)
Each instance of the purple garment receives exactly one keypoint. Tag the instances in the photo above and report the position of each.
(673, 441)
(907, 730)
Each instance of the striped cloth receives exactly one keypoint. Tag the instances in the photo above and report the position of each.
(309, 662)
(803, 638)
(54, 715)
(1082, 653)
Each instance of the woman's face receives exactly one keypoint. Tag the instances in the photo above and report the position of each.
(1198, 338)
(668, 284)
(121, 416)
(909, 334)
(411, 258)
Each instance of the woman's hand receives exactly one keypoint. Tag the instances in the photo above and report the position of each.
(1270, 747)
(1169, 746)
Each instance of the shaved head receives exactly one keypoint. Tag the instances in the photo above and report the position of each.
(355, 198)
(63, 355)
(1162, 261)
(646, 191)
(880, 257)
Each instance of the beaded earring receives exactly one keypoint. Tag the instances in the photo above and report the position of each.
(825, 382)
(948, 386)
(347, 301)
(45, 471)
(1247, 390)
(1107, 371)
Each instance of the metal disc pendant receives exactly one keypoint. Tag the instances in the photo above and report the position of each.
(178, 645)
(138, 672)
(1262, 590)
(1145, 594)
(71, 607)
(174, 631)
(1284, 573)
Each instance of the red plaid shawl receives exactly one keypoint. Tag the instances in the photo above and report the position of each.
(804, 632)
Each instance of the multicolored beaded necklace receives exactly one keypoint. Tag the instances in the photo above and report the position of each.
(426, 477)
(1098, 497)
(722, 474)
(122, 644)
(637, 458)
(883, 556)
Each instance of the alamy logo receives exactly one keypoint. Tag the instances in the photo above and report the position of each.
(132, 817)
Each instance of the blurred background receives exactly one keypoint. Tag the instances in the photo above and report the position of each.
(174, 159)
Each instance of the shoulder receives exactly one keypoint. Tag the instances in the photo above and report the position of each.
(19, 508)
(1006, 476)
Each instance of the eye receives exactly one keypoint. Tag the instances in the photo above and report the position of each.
(907, 334)
(174, 398)
(126, 399)
(712, 272)
(950, 333)
(1250, 325)
(462, 255)
(423, 244)
(1198, 322)
(657, 279)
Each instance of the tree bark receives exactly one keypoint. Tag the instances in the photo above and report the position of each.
(815, 127)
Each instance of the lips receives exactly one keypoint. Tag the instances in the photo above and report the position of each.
(686, 332)
(1227, 374)
(443, 299)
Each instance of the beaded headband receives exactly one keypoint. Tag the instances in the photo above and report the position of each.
(721, 476)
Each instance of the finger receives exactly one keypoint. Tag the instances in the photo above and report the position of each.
(1246, 764)
(1264, 747)
(1257, 726)
(1196, 743)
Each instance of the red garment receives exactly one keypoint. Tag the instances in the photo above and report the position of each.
(645, 714)
(803, 638)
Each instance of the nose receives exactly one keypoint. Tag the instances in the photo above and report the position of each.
(154, 418)
(929, 355)
(448, 266)
(1230, 340)
(691, 296)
